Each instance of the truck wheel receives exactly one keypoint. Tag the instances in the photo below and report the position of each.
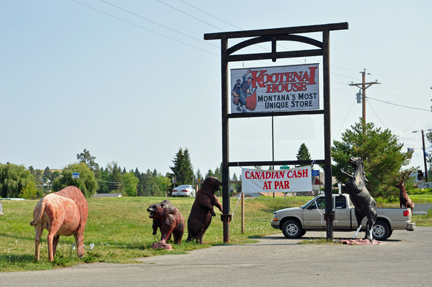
(292, 229)
(381, 231)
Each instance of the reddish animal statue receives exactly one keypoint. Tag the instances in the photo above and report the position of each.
(170, 221)
(404, 200)
(61, 213)
(202, 209)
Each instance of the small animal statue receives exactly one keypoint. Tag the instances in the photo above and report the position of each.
(169, 220)
(61, 213)
(203, 209)
(364, 203)
(404, 200)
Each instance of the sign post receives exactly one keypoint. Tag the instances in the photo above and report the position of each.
(248, 86)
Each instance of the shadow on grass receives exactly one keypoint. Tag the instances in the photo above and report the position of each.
(16, 237)
(11, 258)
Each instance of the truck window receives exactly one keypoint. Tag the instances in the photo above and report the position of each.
(340, 202)
(320, 202)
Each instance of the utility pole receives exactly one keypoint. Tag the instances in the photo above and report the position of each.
(363, 86)
(424, 153)
(424, 156)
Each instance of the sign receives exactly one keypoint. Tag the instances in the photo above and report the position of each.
(75, 175)
(291, 180)
(315, 173)
(284, 167)
(275, 89)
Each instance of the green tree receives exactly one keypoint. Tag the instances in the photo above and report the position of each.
(198, 176)
(37, 175)
(303, 153)
(151, 185)
(209, 173)
(106, 182)
(218, 172)
(13, 178)
(182, 169)
(88, 159)
(55, 174)
(116, 177)
(130, 183)
(141, 185)
(29, 192)
(47, 174)
(86, 181)
(235, 184)
(162, 182)
(381, 154)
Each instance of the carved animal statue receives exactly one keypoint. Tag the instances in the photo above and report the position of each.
(404, 200)
(203, 209)
(364, 203)
(168, 219)
(61, 213)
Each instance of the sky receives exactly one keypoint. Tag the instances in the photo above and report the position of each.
(135, 81)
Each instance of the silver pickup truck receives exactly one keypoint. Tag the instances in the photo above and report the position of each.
(294, 222)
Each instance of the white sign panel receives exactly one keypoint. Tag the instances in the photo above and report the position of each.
(275, 89)
(75, 175)
(289, 180)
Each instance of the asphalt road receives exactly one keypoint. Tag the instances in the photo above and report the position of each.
(404, 260)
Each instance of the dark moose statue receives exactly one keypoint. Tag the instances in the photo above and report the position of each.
(364, 203)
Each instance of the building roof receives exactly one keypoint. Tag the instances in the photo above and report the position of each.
(108, 195)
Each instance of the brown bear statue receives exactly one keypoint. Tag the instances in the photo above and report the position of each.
(170, 221)
(202, 209)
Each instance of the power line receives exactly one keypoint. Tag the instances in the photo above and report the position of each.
(208, 43)
(172, 7)
(389, 103)
(210, 14)
(376, 114)
(151, 21)
(345, 118)
(151, 31)
(416, 79)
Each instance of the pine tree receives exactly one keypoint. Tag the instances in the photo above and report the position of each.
(47, 174)
(86, 158)
(303, 153)
(198, 176)
(209, 173)
(182, 169)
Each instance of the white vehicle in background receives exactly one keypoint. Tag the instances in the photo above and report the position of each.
(184, 190)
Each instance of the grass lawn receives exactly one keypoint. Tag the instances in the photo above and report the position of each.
(121, 231)
(421, 198)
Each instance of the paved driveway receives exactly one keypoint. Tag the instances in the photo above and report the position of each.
(405, 260)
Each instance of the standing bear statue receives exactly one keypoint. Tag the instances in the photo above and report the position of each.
(203, 209)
